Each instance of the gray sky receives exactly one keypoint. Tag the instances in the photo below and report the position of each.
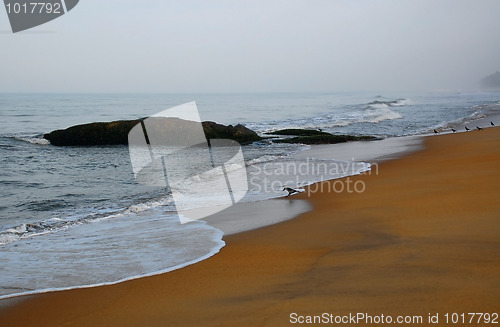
(255, 46)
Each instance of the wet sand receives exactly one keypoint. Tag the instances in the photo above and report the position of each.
(423, 237)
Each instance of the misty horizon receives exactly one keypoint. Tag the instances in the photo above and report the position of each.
(249, 47)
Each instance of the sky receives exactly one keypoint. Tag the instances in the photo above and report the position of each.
(224, 46)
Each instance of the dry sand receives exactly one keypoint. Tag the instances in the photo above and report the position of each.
(423, 238)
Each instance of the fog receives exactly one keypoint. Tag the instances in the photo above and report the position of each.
(255, 46)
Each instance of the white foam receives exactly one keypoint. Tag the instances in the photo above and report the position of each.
(7, 238)
(140, 207)
(91, 246)
(379, 113)
(34, 140)
(265, 158)
(373, 112)
(403, 102)
(52, 225)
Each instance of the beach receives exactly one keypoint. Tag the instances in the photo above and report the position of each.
(420, 238)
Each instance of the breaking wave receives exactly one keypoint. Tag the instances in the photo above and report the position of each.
(373, 112)
(33, 140)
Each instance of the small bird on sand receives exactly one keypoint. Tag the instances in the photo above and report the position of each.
(479, 128)
(453, 130)
(467, 129)
(290, 190)
(436, 132)
(492, 124)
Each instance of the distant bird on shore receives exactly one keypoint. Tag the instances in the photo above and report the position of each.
(453, 130)
(479, 128)
(436, 132)
(319, 129)
(290, 190)
(492, 124)
(467, 129)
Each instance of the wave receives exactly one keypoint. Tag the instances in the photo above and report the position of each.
(166, 202)
(25, 230)
(372, 112)
(33, 140)
(264, 158)
(44, 205)
(47, 281)
(70, 219)
(52, 225)
(378, 113)
(392, 103)
(481, 111)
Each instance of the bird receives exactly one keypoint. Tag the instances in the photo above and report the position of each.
(290, 190)
(436, 132)
(479, 128)
(492, 124)
(467, 129)
(453, 130)
(320, 130)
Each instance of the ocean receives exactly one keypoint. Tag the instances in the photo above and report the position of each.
(75, 216)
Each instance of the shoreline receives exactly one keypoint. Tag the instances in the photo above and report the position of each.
(255, 215)
(390, 257)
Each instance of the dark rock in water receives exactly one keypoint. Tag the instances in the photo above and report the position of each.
(308, 136)
(492, 81)
(326, 139)
(298, 132)
(238, 133)
(112, 133)
(116, 133)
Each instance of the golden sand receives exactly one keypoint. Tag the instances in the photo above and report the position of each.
(423, 238)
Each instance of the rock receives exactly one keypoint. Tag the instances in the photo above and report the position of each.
(116, 133)
(308, 136)
(326, 139)
(298, 132)
(238, 133)
(112, 133)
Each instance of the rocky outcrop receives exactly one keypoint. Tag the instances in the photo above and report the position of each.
(306, 136)
(298, 132)
(326, 139)
(238, 133)
(111, 133)
(116, 133)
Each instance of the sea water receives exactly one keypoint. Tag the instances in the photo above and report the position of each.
(75, 216)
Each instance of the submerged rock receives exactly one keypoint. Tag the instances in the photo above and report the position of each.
(307, 136)
(298, 132)
(326, 139)
(116, 133)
